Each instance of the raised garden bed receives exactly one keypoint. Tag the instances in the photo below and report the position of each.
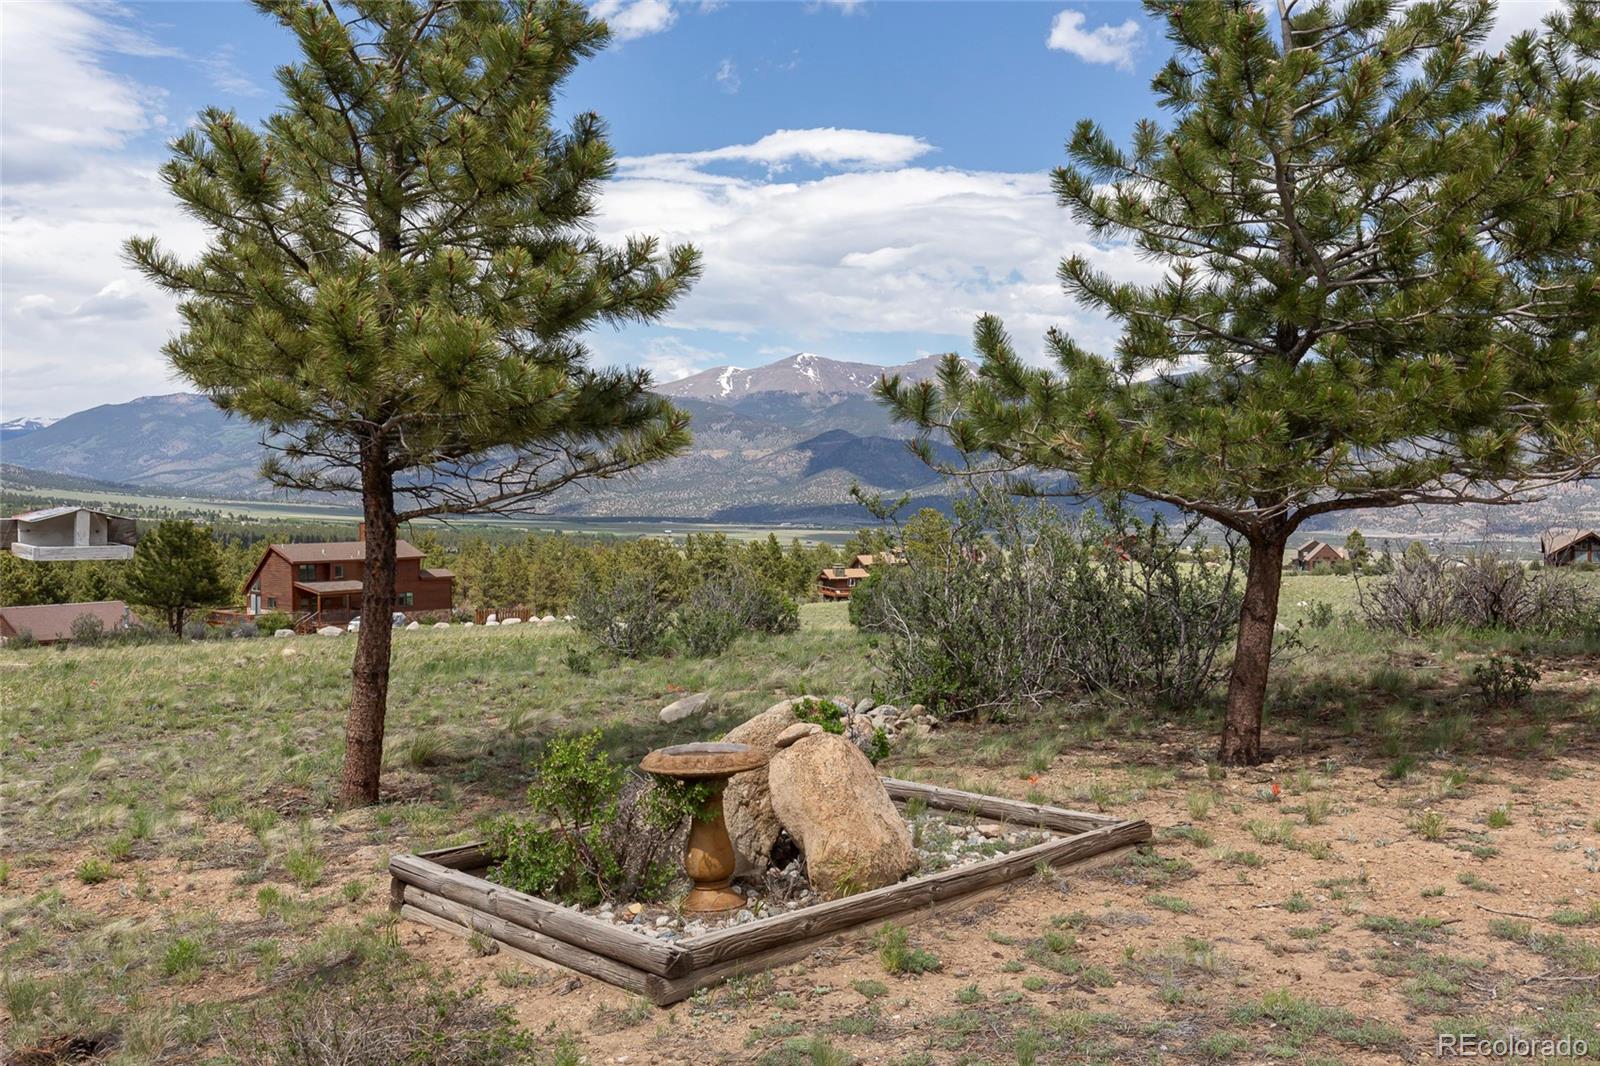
(441, 889)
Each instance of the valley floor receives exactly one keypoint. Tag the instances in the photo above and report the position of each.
(175, 886)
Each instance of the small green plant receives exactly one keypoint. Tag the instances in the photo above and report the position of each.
(1297, 903)
(578, 660)
(1317, 809)
(1430, 825)
(183, 959)
(595, 833)
(1175, 904)
(871, 989)
(1402, 768)
(1499, 817)
(1200, 805)
(826, 713)
(92, 871)
(1505, 681)
(898, 956)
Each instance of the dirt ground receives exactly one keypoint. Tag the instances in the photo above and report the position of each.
(1346, 902)
(1189, 937)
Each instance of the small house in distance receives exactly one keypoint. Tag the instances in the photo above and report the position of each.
(1563, 547)
(837, 582)
(48, 623)
(1316, 552)
(322, 582)
(888, 558)
(68, 534)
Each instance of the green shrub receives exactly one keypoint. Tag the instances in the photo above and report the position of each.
(1505, 681)
(597, 832)
(627, 614)
(1020, 604)
(87, 629)
(727, 604)
(272, 621)
(826, 713)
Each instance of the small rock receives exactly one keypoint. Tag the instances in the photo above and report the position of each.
(918, 710)
(865, 704)
(552, 618)
(330, 631)
(678, 710)
(441, 625)
(283, 632)
(493, 619)
(989, 829)
(663, 922)
(798, 731)
(413, 625)
(467, 625)
(636, 909)
(888, 710)
(289, 652)
(512, 622)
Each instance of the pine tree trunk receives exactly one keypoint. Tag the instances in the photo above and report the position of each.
(1252, 656)
(369, 677)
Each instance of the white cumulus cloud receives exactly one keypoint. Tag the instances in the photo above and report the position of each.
(888, 249)
(630, 19)
(1112, 45)
(824, 147)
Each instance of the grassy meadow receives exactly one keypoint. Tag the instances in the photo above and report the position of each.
(175, 884)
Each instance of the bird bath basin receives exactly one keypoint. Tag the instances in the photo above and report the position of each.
(708, 858)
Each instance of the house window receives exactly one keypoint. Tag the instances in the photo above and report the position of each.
(272, 603)
(308, 572)
(338, 572)
(406, 598)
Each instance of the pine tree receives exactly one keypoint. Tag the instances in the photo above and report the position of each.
(1379, 288)
(400, 275)
(175, 569)
(1356, 550)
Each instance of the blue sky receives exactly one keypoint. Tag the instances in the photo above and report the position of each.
(863, 178)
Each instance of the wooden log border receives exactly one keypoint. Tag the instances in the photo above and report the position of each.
(439, 889)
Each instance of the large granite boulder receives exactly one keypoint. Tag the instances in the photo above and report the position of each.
(745, 804)
(825, 792)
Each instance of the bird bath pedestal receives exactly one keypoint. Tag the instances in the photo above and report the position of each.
(709, 858)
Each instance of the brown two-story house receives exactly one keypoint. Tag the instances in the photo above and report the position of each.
(325, 580)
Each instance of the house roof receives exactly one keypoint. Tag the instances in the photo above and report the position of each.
(339, 551)
(837, 572)
(53, 621)
(44, 514)
(328, 588)
(1557, 539)
(438, 573)
(1312, 547)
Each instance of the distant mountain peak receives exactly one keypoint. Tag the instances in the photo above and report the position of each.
(800, 374)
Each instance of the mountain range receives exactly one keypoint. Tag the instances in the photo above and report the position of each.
(776, 443)
(780, 442)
